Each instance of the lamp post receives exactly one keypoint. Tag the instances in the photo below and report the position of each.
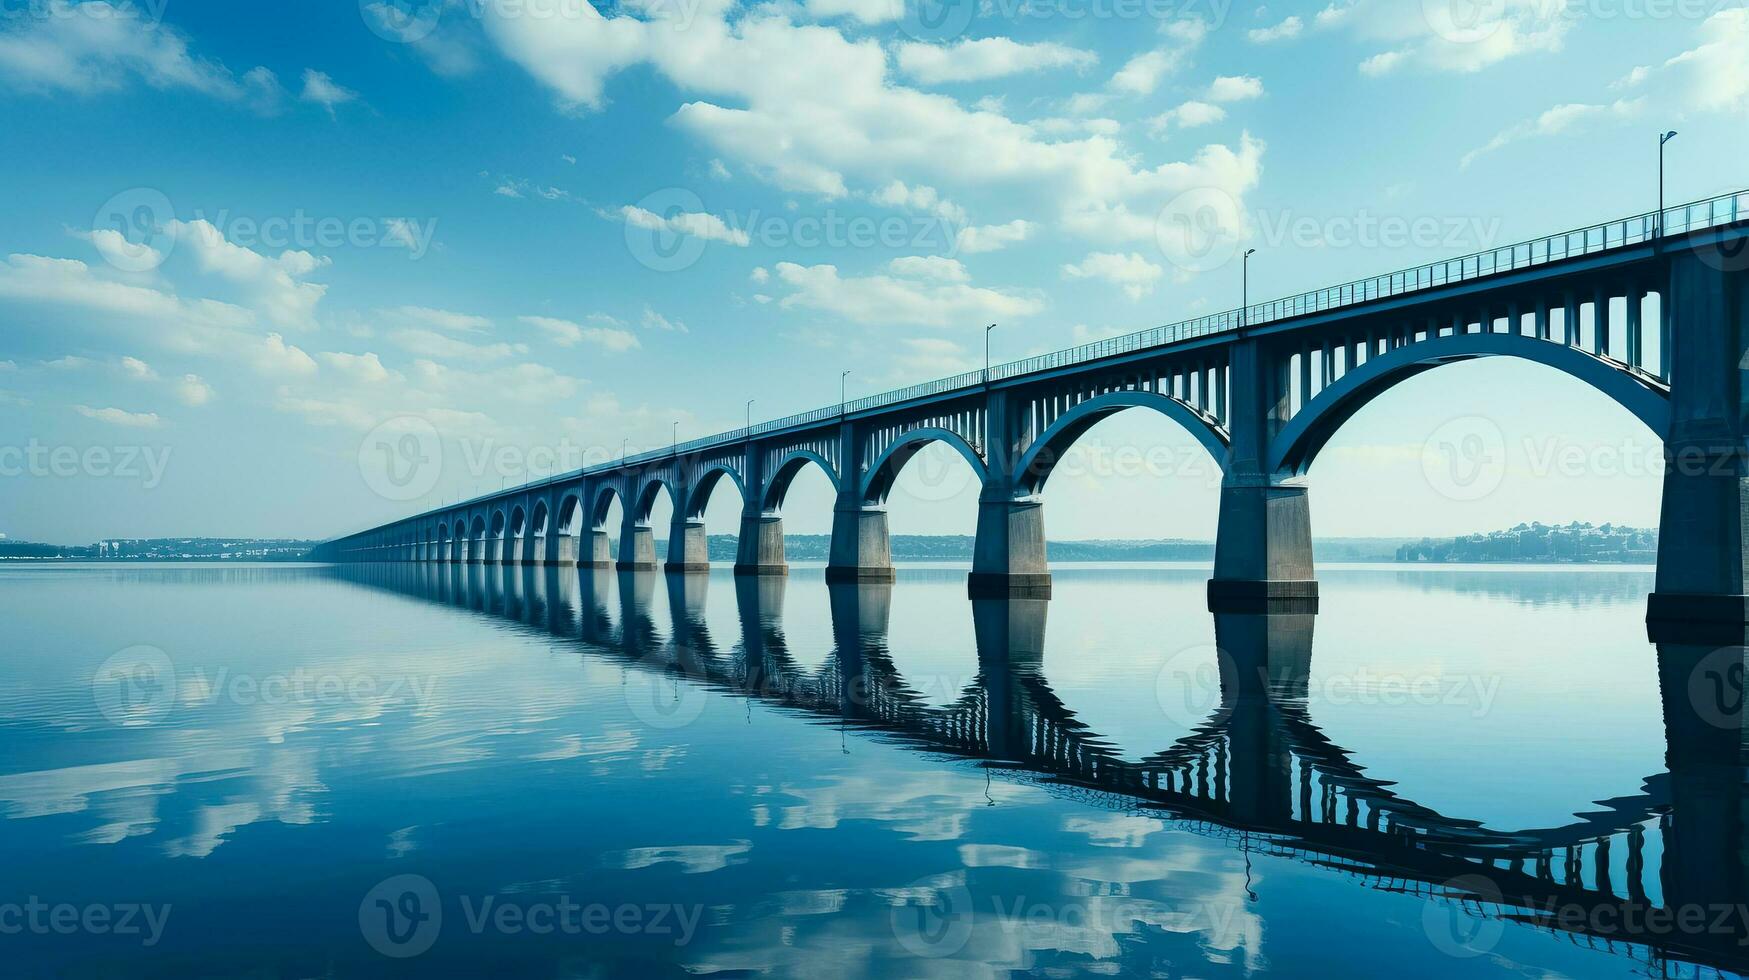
(1245, 286)
(750, 416)
(843, 380)
(623, 443)
(1662, 139)
(674, 444)
(987, 331)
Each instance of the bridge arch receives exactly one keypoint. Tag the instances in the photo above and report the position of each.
(700, 495)
(648, 496)
(1296, 446)
(605, 498)
(1041, 459)
(879, 481)
(785, 473)
(538, 520)
(498, 524)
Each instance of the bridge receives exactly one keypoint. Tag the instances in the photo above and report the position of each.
(1258, 770)
(1649, 310)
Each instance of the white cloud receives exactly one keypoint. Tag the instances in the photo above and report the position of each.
(1715, 75)
(1135, 274)
(98, 47)
(324, 91)
(863, 11)
(364, 368)
(449, 320)
(985, 58)
(759, 275)
(605, 332)
(656, 321)
(1235, 88)
(273, 356)
(1141, 74)
(1285, 31)
(929, 267)
(1553, 122)
(193, 391)
(446, 51)
(1187, 116)
(1449, 36)
(810, 110)
(430, 343)
(918, 198)
(135, 368)
(991, 238)
(884, 299)
(70, 283)
(695, 223)
(115, 416)
(275, 284)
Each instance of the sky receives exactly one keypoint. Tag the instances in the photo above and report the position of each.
(242, 242)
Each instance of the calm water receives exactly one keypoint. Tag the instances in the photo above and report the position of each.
(302, 771)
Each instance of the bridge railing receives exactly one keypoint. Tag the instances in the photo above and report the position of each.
(1637, 229)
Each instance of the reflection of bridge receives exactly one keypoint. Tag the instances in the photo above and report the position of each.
(1258, 767)
(1653, 321)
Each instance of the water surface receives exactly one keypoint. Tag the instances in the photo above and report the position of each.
(442, 769)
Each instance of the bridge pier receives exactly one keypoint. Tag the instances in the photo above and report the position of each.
(1263, 544)
(759, 550)
(637, 546)
(688, 547)
(1008, 557)
(1703, 564)
(477, 551)
(599, 553)
(861, 550)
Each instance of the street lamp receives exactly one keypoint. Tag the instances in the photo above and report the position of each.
(675, 444)
(623, 443)
(1245, 286)
(749, 416)
(1665, 138)
(987, 331)
(843, 380)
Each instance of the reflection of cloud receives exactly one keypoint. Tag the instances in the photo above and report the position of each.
(1116, 830)
(929, 805)
(1001, 856)
(692, 858)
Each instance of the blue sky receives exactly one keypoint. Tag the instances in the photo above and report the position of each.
(239, 239)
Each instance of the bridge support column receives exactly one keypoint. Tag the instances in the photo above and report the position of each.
(1703, 561)
(861, 551)
(688, 547)
(759, 550)
(1263, 546)
(1008, 558)
(477, 551)
(562, 551)
(637, 547)
(598, 551)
